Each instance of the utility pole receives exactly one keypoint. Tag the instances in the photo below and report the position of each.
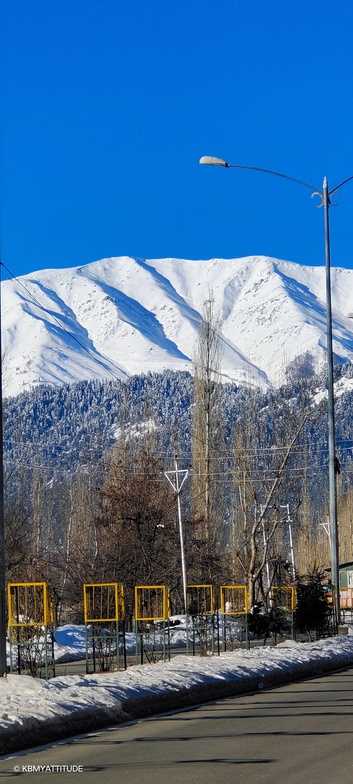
(173, 479)
(286, 519)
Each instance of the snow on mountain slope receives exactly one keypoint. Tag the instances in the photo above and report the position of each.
(121, 316)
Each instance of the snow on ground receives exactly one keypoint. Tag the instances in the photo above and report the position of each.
(70, 643)
(70, 640)
(33, 711)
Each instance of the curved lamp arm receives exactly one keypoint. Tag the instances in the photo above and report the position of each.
(211, 160)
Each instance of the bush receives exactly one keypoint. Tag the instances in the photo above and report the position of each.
(274, 622)
(313, 611)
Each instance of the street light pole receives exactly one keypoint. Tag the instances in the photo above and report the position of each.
(324, 194)
(334, 543)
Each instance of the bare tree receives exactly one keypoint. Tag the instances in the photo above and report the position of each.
(258, 486)
(207, 430)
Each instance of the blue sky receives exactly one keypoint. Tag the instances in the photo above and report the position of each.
(107, 106)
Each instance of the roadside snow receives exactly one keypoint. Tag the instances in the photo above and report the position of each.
(33, 711)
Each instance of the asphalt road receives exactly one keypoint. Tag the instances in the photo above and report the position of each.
(297, 734)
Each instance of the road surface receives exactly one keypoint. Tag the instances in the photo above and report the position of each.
(296, 734)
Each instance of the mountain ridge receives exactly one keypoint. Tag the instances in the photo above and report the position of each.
(123, 315)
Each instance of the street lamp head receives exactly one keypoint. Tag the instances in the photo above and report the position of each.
(210, 160)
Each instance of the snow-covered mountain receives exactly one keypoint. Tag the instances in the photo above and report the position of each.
(122, 316)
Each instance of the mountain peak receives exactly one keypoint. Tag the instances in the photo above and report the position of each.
(121, 316)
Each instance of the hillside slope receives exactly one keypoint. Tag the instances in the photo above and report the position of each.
(121, 316)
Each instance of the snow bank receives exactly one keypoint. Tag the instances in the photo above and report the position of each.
(34, 712)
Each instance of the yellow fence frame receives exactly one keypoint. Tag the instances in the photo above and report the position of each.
(32, 602)
(234, 597)
(291, 603)
(108, 598)
(202, 595)
(151, 603)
